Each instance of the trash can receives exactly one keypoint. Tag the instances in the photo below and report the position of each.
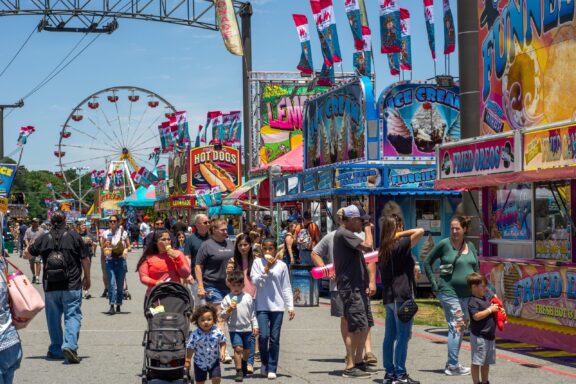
(9, 244)
(304, 286)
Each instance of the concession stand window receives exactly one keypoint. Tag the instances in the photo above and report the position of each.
(552, 221)
(428, 216)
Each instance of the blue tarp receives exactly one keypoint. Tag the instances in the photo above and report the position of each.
(143, 197)
(225, 210)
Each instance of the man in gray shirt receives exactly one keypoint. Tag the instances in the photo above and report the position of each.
(30, 236)
(322, 254)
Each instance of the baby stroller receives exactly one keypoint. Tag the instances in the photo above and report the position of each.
(165, 340)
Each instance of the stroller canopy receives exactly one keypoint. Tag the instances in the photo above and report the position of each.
(173, 296)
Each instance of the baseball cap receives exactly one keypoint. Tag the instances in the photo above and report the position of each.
(353, 211)
(35, 220)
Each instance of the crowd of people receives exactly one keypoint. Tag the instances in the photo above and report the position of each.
(241, 288)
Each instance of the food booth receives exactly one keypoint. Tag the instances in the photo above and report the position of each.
(526, 179)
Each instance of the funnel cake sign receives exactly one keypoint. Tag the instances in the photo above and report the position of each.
(481, 158)
(527, 50)
(415, 117)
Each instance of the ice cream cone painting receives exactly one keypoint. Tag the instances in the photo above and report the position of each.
(416, 117)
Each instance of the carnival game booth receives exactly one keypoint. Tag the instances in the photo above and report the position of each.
(380, 158)
(526, 180)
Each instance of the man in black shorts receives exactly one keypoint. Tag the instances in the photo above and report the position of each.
(354, 285)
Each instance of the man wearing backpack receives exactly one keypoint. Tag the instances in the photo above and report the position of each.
(65, 262)
(307, 239)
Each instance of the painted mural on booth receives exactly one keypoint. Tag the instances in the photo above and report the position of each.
(526, 51)
(415, 117)
(535, 292)
(334, 126)
(280, 130)
(217, 169)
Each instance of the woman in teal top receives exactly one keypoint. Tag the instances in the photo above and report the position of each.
(458, 258)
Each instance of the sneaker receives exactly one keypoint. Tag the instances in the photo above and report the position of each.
(271, 376)
(71, 356)
(366, 368)
(249, 369)
(388, 379)
(239, 376)
(356, 373)
(458, 370)
(257, 357)
(105, 293)
(370, 359)
(52, 356)
(87, 296)
(263, 371)
(33, 279)
(227, 358)
(405, 379)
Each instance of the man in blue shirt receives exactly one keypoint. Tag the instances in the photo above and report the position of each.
(21, 232)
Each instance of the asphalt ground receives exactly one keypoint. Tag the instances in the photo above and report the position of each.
(311, 348)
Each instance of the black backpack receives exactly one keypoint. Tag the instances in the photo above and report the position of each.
(55, 266)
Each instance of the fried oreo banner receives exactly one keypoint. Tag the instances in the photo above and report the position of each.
(416, 117)
(555, 147)
(334, 126)
(526, 52)
(215, 168)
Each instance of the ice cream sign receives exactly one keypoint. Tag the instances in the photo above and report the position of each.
(415, 117)
(480, 158)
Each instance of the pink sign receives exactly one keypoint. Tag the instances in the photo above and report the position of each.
(481, 158)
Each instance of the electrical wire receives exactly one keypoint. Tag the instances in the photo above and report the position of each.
(18, 52)
(56, 71)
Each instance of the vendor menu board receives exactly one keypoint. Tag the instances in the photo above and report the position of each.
(548, 148)
(511, 212)
(358, 178)
(552, 224)
(215, 168)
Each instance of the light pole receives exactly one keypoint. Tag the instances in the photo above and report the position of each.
(19, 104)
(79, 172)
(273, 171)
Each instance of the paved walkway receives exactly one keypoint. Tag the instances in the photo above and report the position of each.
(311, 349)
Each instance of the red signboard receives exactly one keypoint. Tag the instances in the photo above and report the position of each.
(214, 168)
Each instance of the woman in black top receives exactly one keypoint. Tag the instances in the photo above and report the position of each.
(397, 271)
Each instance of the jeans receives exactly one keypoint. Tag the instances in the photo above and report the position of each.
(395, 346)
(10, 359)
(65, 303)
(270, 324)
(451, 305)
(252, 350)
(116, 270)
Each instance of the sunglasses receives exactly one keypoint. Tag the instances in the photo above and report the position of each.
(113, 221)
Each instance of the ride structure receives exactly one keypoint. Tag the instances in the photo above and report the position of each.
(112, 130)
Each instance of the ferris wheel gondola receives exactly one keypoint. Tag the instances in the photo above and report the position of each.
(115, 126)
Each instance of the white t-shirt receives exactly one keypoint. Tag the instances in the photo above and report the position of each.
(120, 234)
(145, 229)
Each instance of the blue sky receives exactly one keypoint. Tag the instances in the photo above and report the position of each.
(188, 66)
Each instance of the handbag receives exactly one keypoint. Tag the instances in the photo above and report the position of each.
(25, 301)
(118, 249)
(406, 311)
(448, 269)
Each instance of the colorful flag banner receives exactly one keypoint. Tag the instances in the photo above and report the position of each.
(228, 26)
(355, 19)
(394, 63)
(217, 129)
(429, 16)
(324, 45)
(390, 32)
(406, 53)
(155, 155)
(101, 178)
(164, 131)
(326, 77)
(363, 58)
(198, 139)
(329, 22)
(118, 178)
(24, 133)
(305, 65)
(232, 128)
(449, 30)
(212, 120)
(181, 121)
(363, 14)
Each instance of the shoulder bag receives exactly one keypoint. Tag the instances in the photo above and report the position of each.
(25, 301)
(406, 311)
(448, 269)
(118, 249)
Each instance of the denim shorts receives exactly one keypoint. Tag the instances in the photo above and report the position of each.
(201, 374)
(214, 295)
(483, 350)
(240, 339)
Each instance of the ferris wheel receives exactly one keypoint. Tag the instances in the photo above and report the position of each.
(112, 129)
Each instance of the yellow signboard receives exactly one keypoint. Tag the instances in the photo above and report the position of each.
(549, 148)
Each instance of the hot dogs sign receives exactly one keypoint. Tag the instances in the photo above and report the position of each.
(215, 168)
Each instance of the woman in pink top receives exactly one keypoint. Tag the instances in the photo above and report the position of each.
(160, 262)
